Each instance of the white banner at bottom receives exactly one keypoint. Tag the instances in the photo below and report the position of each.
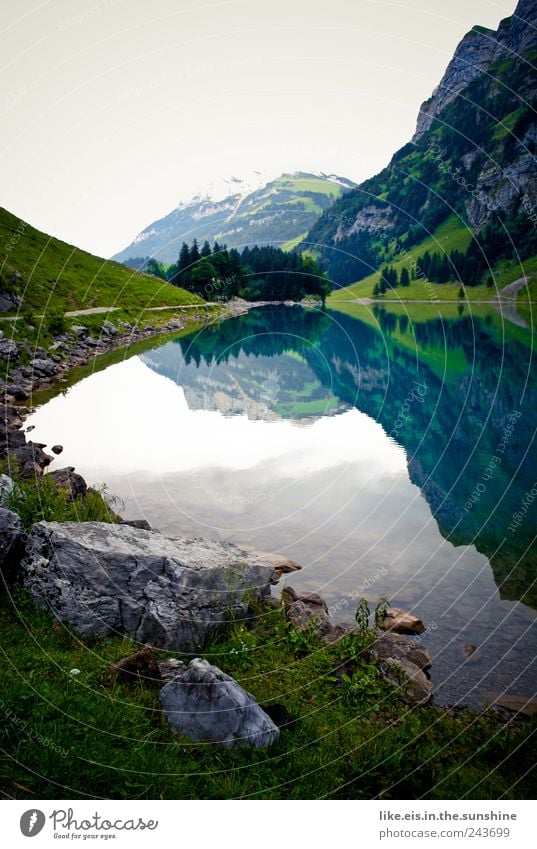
(264, 824)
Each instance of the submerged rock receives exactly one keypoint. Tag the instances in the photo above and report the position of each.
(401, 622)
(206, 705)
(172, 593)
(525, 705)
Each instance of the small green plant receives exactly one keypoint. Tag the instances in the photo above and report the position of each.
(39, 499)
(363, 686)
(56, 323)
(242, 643)
(300, 641)
(380, 612)
(354, 644)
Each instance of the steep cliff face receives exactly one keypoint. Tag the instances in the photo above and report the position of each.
(478, 49)
(473, 154)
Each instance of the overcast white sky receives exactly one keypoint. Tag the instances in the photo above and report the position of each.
(113, 111)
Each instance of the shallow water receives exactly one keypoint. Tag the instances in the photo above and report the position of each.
(388, 453)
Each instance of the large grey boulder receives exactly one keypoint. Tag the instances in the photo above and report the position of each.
(11, 544)
(105, 579)
(206, 705)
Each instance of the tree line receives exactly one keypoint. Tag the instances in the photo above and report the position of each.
(256, 273)
(500, 239)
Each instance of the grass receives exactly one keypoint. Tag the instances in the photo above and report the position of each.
(85, 736)
(318, 406)
(39, 499)
(310, 184)
(80, 734)
(447, 363)
(56, 276)
(451, 235)
(292, 243)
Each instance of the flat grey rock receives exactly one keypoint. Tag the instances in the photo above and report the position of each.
(172, 593)
(204, 704)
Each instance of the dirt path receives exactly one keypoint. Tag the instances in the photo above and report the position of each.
(512, 289)
(99, 310)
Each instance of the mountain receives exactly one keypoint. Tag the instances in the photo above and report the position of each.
(238, 213)
(39, 272)
(469, 169)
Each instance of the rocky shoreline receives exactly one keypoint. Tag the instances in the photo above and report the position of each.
(104, 579)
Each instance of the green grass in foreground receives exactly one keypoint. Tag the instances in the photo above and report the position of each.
(83, 735)
(67, 735)
(59, 277)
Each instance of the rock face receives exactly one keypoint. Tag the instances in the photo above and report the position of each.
(412, 684)
(206, 705)
(105, 579)
(391, 645)
(473, 148)
(8, 350)
(308, 611)
(6, 488)
(474, 54)
(282, 565)
(305, 610)
(11, 543)
(69, 480)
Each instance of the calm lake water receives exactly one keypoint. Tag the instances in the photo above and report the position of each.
(391, 453)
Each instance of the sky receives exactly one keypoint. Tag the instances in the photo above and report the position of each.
(114, 111)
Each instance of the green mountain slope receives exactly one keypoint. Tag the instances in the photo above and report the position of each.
(469, 167)
(279, 212)
(39, 272)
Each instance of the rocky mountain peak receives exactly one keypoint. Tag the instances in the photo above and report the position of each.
(473, 55)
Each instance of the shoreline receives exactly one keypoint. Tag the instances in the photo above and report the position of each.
(36, 461)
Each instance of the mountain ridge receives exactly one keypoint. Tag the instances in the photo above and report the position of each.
(275, 213)
(471, 156)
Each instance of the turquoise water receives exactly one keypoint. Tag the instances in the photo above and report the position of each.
(390, 454)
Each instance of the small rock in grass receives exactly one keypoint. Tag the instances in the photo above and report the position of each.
(140, 668)
(206, 705)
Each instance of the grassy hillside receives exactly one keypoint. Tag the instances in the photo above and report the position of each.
(451, 235)
(53, 276)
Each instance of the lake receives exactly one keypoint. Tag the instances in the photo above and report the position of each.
(389, 450)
